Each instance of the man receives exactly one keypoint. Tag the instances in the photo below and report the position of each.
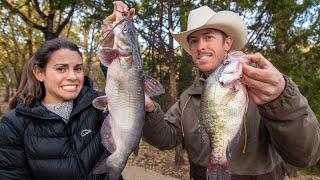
(280, 124)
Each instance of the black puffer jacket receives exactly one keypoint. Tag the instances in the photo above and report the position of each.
(37, 144)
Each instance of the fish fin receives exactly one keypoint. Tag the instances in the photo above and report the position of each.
(101, 167)
(108, 166)
(218, 174)
(136, 150)
(152, 87)
(106, 55)
(178, 157)
(218, 169)
(106, 135)
(100, 103)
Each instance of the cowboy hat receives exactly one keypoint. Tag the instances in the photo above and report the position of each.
(227, 21)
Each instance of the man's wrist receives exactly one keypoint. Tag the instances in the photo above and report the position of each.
(151, 107)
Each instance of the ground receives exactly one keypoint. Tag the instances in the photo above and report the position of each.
(155, 164)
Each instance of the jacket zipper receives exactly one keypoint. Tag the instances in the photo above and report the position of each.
(74, 149)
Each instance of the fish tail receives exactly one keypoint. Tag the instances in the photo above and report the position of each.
(218, 169)
(115, 173)
(136, 150)
(218, 174)
(108, 166)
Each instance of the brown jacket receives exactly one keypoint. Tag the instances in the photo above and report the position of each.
(285, 129)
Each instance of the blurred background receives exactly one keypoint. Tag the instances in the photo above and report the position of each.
(286, 32)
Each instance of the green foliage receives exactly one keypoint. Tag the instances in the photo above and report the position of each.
(305, 71)
(286, 32)
(295, 50)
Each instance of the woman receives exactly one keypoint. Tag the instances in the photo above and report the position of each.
(52, 129)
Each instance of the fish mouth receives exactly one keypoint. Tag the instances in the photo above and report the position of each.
(225, 83)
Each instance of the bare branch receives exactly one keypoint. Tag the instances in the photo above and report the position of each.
(65, 22)
(24, 18)
(38, 10)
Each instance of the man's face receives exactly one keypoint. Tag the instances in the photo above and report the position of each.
(208, 48)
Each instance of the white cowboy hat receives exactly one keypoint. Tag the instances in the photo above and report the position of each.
(227, 21)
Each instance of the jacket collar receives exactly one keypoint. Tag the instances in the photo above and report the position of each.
(197, 85)
(36, 110)
(84, 99)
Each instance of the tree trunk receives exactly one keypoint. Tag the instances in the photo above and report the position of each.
(173, 69)
(7, 80)
(91, 50)
(49, 35)
(186, 76)
(6, 96)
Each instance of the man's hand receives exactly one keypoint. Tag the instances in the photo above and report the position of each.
(265, 83)
(120, 10)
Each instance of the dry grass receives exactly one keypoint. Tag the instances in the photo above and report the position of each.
(159, 161)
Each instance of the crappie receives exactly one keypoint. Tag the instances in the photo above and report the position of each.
(125, 91)
(224, 102)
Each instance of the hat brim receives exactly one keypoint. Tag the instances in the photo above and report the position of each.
(226, 21)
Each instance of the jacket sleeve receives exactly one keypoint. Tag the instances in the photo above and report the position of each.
(13, 164)
(293, 127)
(163, 130)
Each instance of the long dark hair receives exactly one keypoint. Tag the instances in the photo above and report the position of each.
(30, 89)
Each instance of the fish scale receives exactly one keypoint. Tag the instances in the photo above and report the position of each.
(224, 101)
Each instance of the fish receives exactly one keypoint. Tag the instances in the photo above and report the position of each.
(223, 105)
(126, 86)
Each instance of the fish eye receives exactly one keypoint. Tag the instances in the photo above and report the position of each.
(125, 28)
(226, 62)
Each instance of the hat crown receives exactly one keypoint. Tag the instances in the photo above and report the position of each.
(199, 17)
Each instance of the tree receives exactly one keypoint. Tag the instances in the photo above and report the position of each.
(50, 17)
(16, 43)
